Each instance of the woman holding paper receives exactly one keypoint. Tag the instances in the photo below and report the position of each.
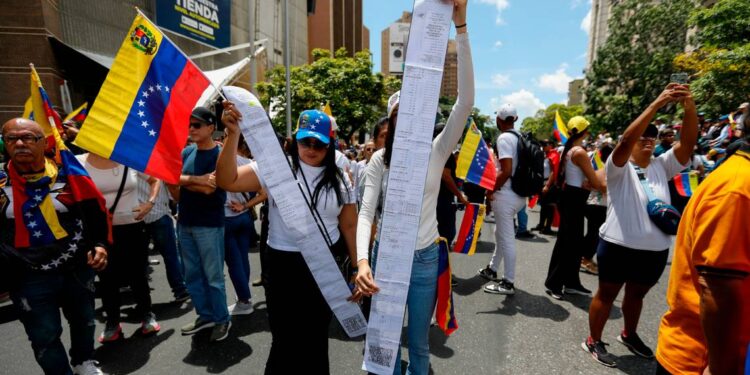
(298, 313)
(423, 284)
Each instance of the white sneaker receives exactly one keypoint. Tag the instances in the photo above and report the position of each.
(241, 308)
(89, 367)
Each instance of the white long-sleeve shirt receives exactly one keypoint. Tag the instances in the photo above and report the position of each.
(376, 174)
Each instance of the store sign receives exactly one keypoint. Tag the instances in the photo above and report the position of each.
(398, 36)
(205, 21)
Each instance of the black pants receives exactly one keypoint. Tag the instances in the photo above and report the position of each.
(566, 255)
(262, 246)
(595, 217)
(446, 218)
(660, 370)
(298, 315)
(127, 261)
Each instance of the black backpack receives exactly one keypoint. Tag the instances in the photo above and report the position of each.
(528, 178)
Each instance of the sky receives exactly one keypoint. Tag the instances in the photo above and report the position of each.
(525, 51)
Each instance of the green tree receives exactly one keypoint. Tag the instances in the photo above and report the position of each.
(633, 67)
(357, 96)
(541, 125)
(721, 65)
(484, 122)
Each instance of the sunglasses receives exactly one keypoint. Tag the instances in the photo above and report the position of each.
(197, 125)
(313, 144)
(26, 139)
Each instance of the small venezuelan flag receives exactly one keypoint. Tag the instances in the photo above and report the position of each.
(475, 162)
(686, 183)
(79, 114)
(466, 243)
(559, 129)
(140, 117)
(444, 312)
(596, 160)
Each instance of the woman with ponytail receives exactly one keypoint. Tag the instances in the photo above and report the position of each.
(575, 169)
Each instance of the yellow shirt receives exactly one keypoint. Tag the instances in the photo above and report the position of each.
(714, 232)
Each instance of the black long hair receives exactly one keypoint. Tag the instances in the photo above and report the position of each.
(574, 136)
(379, 127)
(389, 139)
(331, 177)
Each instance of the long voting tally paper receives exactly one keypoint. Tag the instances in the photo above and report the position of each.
(420, 90)
(285, 189)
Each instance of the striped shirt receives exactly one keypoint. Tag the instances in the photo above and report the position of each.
(161, 206)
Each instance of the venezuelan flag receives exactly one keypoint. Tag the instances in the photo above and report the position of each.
(43, 113)
(475, 162)
(559, 129)
(596, 160)
(28, 109)
(468, 234)
(140, 117)
(686, 183)
(79, 114)
(444, 312)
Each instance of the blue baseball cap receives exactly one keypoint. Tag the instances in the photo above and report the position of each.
(314, 124)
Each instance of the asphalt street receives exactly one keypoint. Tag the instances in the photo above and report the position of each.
(528, 333)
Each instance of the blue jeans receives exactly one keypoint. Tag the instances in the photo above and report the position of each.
(39, 297)
(523, 221)
(420, 305)
(163, 234)
(203, 259)
(237, 236)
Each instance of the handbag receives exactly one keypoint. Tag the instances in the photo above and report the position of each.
(663, 215)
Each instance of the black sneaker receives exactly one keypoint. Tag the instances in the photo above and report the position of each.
(504, 287)
(579, 290)
(182, 297)
(198, 325)
(220, 331)
(524, 235)
(488, 274)
(635, 345)
(558, 295)
(599, 352)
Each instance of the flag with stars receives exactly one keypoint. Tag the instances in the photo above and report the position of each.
(475, 162)
(141, 116)
(471, 225)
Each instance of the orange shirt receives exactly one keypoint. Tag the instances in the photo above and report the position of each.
(714, 232)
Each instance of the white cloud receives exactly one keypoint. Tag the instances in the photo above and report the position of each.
(501, 80)
(586, 23)
(500, 5)
(498, 44)
(557, 81)
(526, 103)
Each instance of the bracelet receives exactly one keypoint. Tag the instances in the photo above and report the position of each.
(460, 26)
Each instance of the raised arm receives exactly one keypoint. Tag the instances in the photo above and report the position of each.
(683, 151)
(228, 176)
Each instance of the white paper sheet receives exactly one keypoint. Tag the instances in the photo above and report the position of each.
(285, 189)
(420, 90)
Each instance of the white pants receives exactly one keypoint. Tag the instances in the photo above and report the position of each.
(505, 205)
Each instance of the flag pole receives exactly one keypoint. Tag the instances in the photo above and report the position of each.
(287, 64)
(181, 51)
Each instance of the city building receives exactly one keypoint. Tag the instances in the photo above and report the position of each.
(73, 42)
(393, 51)
(575, 92)
(333, 24)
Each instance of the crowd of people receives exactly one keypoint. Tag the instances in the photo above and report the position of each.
(614, 201)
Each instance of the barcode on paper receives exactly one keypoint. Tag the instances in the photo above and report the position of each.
(353, 323)
(380, 356)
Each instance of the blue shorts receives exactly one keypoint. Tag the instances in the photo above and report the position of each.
(620, 264)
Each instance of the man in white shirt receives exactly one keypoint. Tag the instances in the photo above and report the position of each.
(505, 203)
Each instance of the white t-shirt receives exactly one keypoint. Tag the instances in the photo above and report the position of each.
(279, 235)
(236, 197)
(108, 182)
(507, 147)
(573, 173)
(627, 222)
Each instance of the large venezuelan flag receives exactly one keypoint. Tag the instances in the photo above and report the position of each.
(466, 243)
(475, 162)
(444, 312)
(140, 117)
(559, 129)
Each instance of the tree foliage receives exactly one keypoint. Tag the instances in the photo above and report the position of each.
(357, 96)
(721, 65)
(541, 125)
(484, 122)
(635, 63)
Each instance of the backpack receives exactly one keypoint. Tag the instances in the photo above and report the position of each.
(528, 178)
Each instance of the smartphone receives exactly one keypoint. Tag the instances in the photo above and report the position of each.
(679, 78)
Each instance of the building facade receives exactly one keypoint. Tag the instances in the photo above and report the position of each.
(333, 24)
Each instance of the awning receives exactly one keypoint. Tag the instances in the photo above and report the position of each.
(222, 77)
(84, 71)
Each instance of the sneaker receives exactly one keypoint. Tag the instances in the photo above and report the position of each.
(558, 295)
(524, 235)
(241, 308)
(258, 282)
(90, 367)
(220, 331)
(149, 325)
(589, 266)
(488, 274)
(196, 326)
(182, 297)
(504, 287)
(110, 334)
(454, 282)
(579, 290)
(599, 352)
(635, 345)
(549, 232)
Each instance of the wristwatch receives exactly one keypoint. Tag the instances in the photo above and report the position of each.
(152, 201)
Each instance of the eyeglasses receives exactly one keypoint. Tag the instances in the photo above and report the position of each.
(26, 139)
(668, 135)
(313, 144)
(369, 149)
(197, 125)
